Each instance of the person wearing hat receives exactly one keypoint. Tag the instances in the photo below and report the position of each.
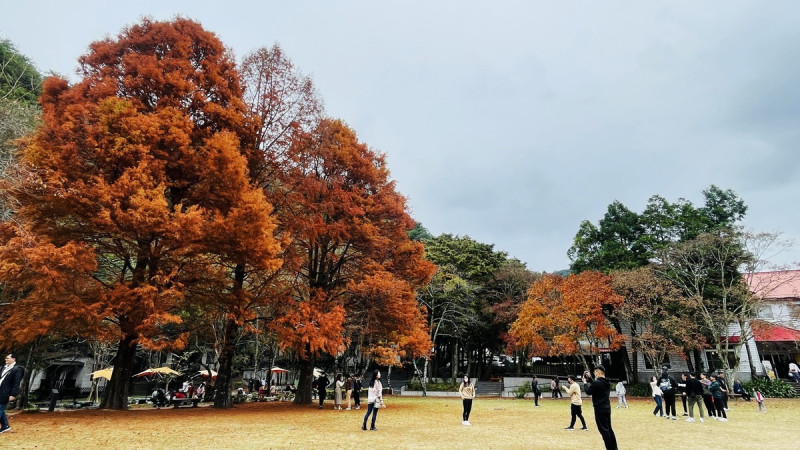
(600, 389)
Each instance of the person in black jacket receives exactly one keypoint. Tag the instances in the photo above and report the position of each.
(537, 391)
(668, 386)
(600, 389)
(694, 393)
(322, 386)
(10, 378)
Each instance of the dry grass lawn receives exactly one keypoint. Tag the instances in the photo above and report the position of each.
(405, 423)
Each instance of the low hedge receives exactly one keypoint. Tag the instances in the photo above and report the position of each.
(416, 385)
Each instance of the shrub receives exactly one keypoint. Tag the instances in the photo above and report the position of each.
(522, 390)
(416, 385)
(770, 388)
(638, 390)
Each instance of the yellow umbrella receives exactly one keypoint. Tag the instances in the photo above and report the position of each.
(103, 373)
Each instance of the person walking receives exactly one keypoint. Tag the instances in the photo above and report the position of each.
(357, 391)
(322, 385)
(708, 399)
(760, 400)
(348, 387)
(374, 400)
(337, 393)
(554, 389)
(657, 396)
(574, 392)
(467, 391)
(716, 392)
(10, 377)
(600, 389)
(537, 391)
(694, 395)
(621, 391)
(668, 386)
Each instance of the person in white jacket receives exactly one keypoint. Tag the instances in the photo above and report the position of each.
(621, 400)
(374, 399)
(657, 394)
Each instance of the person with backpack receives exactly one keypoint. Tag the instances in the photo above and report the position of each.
(668, 386)
(537, 391)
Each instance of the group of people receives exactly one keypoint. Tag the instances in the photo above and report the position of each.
(160, 398)
(344, 385)
(351, 386)
(599, 388)
(704, 390)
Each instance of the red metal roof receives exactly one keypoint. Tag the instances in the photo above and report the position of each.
(770, 332)
(780, 284)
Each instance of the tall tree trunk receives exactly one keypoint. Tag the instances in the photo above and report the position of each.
(454, 363)
(303, 396)
(224, 384)
(29, 372)
(118, 387)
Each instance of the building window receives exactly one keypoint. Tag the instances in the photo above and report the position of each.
(765, 313)
(715, 362)
(648, 365)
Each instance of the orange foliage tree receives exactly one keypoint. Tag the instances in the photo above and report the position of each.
(564, 316)
(137, 185)
(353, 261)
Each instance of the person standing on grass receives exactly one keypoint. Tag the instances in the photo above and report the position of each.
(760, 400)
(724, 388)
(348, 387)
(694, 395)
(337, 393)
(467, 391)
(357, 391)
(621, 400)
(716, 392)
(574, 392)
(537, 391)
(708, 399)
(600, 389)
(10, 378)
(374, 399)
(322, 385)
(668, 386)
(657, 397)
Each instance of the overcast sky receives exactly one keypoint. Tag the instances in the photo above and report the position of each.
(512, 122)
